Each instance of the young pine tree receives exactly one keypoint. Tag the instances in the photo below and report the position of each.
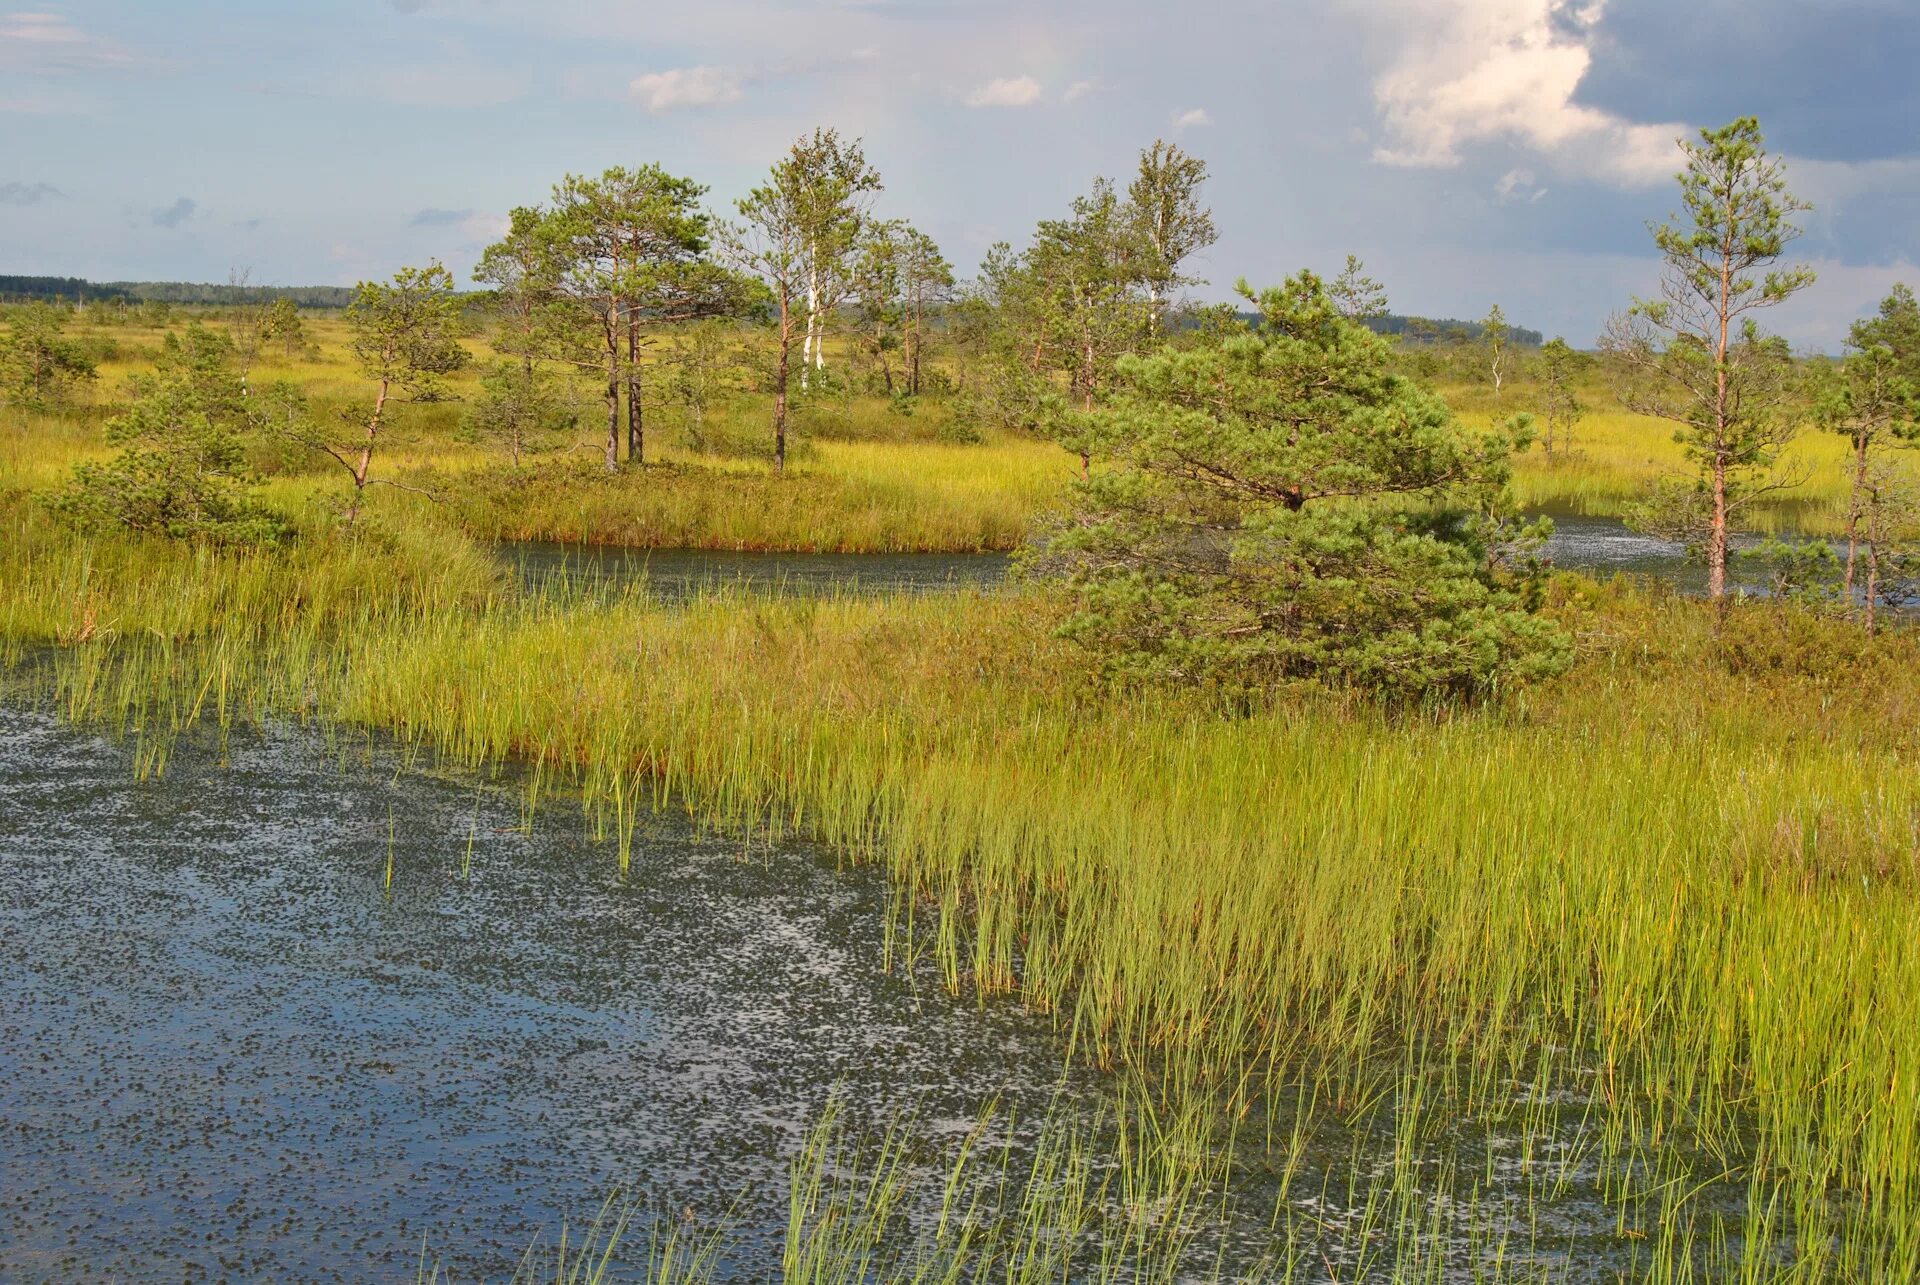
(180, 471)
(39, 365)
(1696, 355)
(1873, 400)
(1278, 503)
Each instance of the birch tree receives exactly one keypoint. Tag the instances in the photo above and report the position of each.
(768, 241)
(1696, 354)
(1164, 200)
(1496, 340)
(403, 337)
(830, 188)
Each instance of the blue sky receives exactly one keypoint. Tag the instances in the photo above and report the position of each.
(1472, 151)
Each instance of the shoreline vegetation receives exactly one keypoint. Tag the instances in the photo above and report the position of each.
(1320, 896)
(863, 477)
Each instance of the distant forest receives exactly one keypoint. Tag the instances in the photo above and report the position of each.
(1446, 330)
(15, 289)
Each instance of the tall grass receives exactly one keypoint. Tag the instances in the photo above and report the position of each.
(1677, 888)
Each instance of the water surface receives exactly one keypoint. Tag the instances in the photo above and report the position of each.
(227, 1050)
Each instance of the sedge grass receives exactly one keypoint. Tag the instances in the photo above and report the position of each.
(1679, 885)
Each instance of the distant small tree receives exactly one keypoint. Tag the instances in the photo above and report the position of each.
(1496, 342)
(705, 366)
(1359, 296)
(1278, 503)
(1696, 355)
(879, 296)
(404, 339)
(180, 471)
(522, 412)
(1089, 267)
(247, 319)
(926, 281)
(285, 327)
(1560, 405)
(39, 365)
(1873, 400)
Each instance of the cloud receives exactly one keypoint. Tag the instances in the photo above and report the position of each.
(174, 215)
(47, 42)
(1018, 91)
(1518, 187)
(431, 218)
(474, 226)
(1470, 72)
(1079, 89)
(17, 193)
(665, 91)
(1191, 118)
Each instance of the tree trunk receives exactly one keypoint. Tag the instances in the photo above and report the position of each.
(613, 411)
(808, 355)
(1717, 533)
(1873, 563)
(365, 464)
(1853, 515)
(913, 356)
(636, 411)
(780, 391)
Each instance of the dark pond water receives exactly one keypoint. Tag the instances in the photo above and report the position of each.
(1600, 546)
(676, 574)
(226, 1051)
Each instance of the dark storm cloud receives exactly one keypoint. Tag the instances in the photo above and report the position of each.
(1833, 80)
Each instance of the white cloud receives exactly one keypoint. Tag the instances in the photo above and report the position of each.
(1477, 71)
(1018, 91)
(665, 91)
(1079, 89)
(1518, 186)
(1191, 118)
(47, 42)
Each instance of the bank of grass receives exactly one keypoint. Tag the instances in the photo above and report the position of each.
(869, 474)
(1615, 458)
(1677, 889)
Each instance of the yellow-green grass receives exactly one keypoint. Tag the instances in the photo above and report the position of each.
(1680, 883)
(1616, 457)
(870, 479)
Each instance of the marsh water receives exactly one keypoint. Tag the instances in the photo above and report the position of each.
(302, 1009)
(228, 1049)
(1598, 545)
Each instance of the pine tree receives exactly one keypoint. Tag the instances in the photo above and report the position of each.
(1278, 503)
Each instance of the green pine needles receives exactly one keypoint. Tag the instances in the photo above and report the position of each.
(181, 470)
(1277, 503)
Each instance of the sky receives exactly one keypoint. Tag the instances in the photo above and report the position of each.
(1471, 151)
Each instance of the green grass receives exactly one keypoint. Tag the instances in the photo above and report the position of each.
(1678, 887)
